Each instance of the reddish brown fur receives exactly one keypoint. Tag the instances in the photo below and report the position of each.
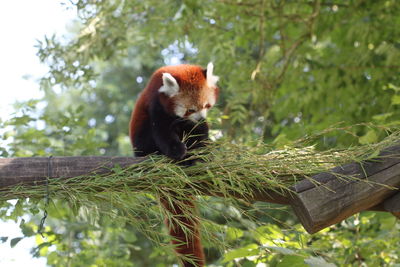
(193, 91)
(191, 81)
(185, 243)
(140, 112)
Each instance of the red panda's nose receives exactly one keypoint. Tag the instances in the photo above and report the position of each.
(198, 116)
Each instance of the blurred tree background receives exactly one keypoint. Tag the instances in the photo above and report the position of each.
(287, 69)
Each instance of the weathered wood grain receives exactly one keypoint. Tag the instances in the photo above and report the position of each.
(392, 204)
(330, 197)
(387, 158)
(31, 170)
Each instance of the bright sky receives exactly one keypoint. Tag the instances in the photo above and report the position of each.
(21, 23)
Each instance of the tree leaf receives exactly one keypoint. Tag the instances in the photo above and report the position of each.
(249, 250)
(369, 138)
(282, 250)
(395, 99)
(292, 261)
(318, 262)
(14, 241)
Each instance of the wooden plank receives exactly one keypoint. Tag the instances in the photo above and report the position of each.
(392, 204)
(31, 170)
(327, 204)
(387, 158)
(34, 170)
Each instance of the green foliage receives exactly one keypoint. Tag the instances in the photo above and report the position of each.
(288, 69)
(278, 246)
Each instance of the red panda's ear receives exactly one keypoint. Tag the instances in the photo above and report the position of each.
(211, 78)
(170, 85)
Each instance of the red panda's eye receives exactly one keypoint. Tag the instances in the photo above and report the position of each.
(207, 106)
(189, 112)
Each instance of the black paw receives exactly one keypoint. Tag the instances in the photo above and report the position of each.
(177, 151)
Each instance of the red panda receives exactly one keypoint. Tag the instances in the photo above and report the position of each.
(173, 105)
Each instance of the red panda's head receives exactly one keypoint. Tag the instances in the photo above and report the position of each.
(190, 90)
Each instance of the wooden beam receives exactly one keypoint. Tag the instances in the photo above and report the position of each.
(330, 197)
(392, 204)
(309, 198)
(35, 170)
(387, 158)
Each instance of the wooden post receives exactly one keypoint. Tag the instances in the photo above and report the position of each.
(392, 205)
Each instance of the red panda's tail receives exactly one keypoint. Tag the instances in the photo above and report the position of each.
(185, 232)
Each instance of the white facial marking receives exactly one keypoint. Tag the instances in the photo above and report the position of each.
(211, 78)
(203, 113)
(170, 85)
(199, 115)
(211, 99)
(180, 111)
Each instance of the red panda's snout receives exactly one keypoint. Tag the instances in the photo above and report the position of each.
(191, 113)
(198, 115)
(195, 107)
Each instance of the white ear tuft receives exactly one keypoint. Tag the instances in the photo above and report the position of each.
(211, 78)
(170, 85)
